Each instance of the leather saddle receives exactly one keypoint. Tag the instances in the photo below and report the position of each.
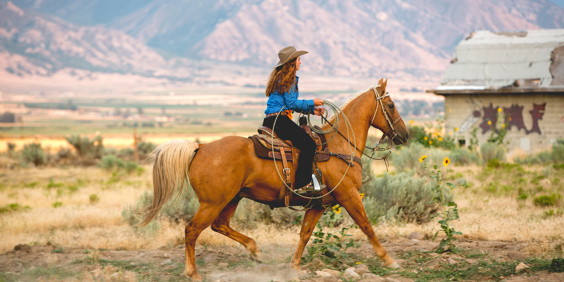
(269, 146)
(264, 143)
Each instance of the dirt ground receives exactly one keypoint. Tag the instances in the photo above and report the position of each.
(232, 263)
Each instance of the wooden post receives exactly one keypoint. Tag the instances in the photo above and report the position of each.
(135, 139)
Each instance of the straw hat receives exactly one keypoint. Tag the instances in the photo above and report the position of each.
(287, 54)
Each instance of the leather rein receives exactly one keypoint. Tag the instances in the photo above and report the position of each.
(390, 134)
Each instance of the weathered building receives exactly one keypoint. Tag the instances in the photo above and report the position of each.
(507, 80)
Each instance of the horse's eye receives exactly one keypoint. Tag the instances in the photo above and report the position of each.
(391, 106)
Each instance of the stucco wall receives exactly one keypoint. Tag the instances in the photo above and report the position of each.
(466, 112)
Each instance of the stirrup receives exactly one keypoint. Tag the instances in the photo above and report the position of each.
(305, 189)
(313, 186)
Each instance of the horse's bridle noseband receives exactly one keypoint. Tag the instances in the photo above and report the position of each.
(392, 135)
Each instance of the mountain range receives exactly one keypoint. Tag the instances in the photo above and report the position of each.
(157, 38)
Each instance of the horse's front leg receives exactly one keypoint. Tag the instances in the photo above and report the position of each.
(311, 218)
(351, 201)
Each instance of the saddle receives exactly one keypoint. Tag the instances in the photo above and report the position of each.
(269, 146)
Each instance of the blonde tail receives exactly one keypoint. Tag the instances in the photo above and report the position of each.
(170, 174)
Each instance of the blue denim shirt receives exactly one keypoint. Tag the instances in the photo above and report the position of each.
(289, 99)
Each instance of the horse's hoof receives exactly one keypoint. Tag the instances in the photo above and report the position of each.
(195, 276)
(256, 257)
(393, 265)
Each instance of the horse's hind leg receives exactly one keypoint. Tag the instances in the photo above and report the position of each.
(352, 202)
(311, 218)
(221, 225)
(203, 218)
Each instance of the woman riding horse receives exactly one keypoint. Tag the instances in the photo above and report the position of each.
(224, 171)
(282, 92)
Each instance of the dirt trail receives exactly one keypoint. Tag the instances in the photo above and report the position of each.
(232, 263)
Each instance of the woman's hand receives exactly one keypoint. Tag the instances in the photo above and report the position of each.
(318, 102)
(319, 111)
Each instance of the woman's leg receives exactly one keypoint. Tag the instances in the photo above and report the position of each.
(288, 130)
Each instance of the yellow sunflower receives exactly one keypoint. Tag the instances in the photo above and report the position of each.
(422, 158)
(425, 138)
(337, 209)
(489, 122)
(446, 161)
(361, 195)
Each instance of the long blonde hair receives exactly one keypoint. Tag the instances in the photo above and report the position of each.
(282, 78)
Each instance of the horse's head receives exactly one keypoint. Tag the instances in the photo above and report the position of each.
(388, 120)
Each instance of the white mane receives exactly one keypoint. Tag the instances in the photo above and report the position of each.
(358, 94)
(332, 118)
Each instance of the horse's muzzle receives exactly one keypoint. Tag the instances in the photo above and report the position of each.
(399, 140)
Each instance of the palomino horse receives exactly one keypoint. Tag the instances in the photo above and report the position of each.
(225, 171)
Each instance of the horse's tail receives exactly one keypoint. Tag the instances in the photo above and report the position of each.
(170, 174)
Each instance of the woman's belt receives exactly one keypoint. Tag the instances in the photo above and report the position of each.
(284, 113)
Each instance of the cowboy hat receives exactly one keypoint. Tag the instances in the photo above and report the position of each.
(287, 54)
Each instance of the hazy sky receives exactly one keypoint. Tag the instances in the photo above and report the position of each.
(558, 2)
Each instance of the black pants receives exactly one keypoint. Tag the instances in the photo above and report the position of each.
(286, 129)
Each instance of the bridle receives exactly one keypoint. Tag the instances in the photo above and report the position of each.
(391, 134)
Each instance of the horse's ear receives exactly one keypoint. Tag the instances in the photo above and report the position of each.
(380, 82)
(384, 85)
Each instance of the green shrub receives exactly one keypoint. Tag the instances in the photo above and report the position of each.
(407, 158)
(402, 197)
(130, 166)
(491, 150)
(145, 148)
(85, 147)
(555, 155)
(557, 265)
(64, 153)
(110, 162)
(57, 204)
(547, 200)
(94, 199)
(463, 156)
(551, 213)
(249, 213)
(558, 151)
(132, 216)
(13, 207)
(183, 209)
(33, 153)
(494, 163)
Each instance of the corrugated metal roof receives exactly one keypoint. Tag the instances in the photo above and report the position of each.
(504, 59)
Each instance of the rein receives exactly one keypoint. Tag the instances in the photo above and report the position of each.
(391, 147)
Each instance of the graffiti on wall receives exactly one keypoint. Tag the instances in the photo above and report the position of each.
(513, 117)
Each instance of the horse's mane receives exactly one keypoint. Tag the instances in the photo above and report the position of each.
(349, 101)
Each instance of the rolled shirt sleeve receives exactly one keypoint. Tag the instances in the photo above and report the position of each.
(301, 106)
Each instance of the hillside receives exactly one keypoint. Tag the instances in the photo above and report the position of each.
(156, 38)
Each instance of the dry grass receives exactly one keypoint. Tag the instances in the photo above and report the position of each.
(116, 141)
(80, 223)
